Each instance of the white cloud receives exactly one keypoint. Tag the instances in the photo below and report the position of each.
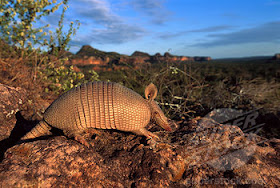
(112, 35)
(97, 11)
(107, 26)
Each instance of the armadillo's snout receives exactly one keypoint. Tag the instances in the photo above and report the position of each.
(162, 121)
(167, 127)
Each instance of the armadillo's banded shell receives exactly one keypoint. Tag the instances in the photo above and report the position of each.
(102, 105)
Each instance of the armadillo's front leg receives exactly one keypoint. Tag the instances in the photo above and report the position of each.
(146, 133)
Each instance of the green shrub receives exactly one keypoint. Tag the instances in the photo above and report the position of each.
(17, 19)
(18, 31)
(62, 78)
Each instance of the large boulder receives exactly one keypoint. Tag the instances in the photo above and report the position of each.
(11, 100)
(199, 152)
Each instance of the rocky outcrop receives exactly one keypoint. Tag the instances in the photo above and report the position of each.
(167, 57)
(172, 58)
(90, 61)
(88, 51)
(11, 100)
(200, 152)
(104, 60)
(140, 54)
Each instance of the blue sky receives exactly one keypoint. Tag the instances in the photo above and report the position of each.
(216, 28)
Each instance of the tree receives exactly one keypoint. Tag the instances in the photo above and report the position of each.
(17, 19)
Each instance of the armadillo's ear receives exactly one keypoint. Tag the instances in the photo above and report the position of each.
(151, 91)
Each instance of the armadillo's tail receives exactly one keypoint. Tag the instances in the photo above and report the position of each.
(41, 129)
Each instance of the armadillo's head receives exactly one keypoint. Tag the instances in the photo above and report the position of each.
(157, 114)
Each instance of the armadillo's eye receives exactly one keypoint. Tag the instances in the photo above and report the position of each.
(156, 113)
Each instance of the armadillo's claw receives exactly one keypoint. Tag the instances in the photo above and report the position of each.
(153, 136)
(146, 133)
(152, 143)
(82, 140)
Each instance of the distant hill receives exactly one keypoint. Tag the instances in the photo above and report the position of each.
(252, 58)
(140, 54)
(101, 60)
(89, 51)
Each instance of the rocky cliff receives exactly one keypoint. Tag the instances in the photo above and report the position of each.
(88, 55)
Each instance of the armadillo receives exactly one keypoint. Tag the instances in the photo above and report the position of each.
(101, 105)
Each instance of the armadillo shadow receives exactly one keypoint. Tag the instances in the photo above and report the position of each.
(22, 126)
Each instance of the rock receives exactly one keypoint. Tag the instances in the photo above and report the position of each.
(141, 54)
(88, 51)
(11, 100)
(101, 60)
(135, 61)
(92, 60)
(112, 162)
(200, 152)
(167, 54)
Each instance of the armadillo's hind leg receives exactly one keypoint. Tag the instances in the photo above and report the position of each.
(77, 135)
(41, 129)
(146, 133)
(82, 140)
